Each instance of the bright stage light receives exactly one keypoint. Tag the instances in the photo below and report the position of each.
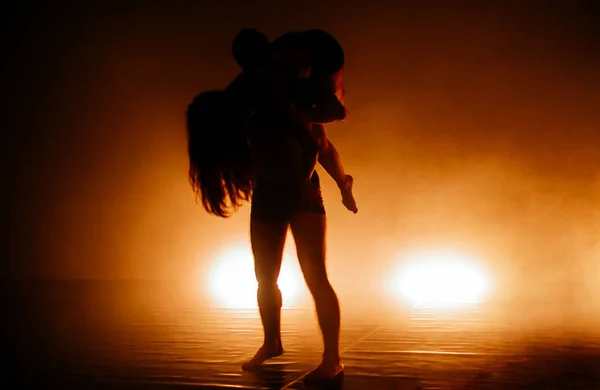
(446, 279)
(232, 282)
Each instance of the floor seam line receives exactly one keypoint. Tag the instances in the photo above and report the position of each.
(342, 351)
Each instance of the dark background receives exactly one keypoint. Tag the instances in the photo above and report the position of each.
(472, 125)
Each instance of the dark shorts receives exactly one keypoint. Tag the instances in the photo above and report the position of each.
(278, 201)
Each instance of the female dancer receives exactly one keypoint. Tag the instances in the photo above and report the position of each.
(285, 194)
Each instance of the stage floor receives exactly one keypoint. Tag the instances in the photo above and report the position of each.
(86, 337)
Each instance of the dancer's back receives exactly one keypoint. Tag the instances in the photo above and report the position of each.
(277, 156)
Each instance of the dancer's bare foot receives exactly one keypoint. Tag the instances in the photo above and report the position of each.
(327, 370)
(263, 354)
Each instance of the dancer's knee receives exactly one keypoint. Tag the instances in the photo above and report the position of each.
(318, 283)
(269, 295)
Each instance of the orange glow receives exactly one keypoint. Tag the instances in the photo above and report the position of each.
(232, 284)
(443, 278)
(493, 152)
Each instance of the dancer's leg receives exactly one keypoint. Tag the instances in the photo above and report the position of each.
(268, 240)
(308, 229)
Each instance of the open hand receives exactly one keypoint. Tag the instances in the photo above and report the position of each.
(347, 196)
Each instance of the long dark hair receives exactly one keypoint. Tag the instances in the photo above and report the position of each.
(220, 159)
(220, 164)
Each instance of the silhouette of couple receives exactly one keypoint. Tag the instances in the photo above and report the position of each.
(259, 140)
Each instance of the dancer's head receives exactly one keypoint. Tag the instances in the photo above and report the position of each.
(321, 51)
(219, 158)
(327, 56)
(250, 48)
(326, 53)
(291, 51)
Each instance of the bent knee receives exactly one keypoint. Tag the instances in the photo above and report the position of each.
(317, 282)
(268, 289)
(268, 284)
(267, 279)
(268, 294)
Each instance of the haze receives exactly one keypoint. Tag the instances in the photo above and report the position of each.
(473, 127)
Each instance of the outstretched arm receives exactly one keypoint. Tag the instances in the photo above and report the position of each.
(330, 161)
(329, 157)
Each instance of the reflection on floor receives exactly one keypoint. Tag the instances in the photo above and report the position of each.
(79, 341)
